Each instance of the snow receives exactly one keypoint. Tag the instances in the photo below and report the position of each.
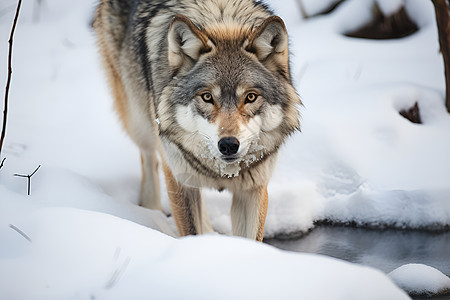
(419, 279)
(357, 160)
(390, 7)
(76, 254)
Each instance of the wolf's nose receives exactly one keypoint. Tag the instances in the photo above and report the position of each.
(228, 145)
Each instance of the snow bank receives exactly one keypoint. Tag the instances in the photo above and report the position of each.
(55, 187)
(419, 279)
(367, 164)
(77, 254)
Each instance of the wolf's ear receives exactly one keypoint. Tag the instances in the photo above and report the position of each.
(185, 42)
(269, 42)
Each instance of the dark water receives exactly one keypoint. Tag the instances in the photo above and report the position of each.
(382, 249)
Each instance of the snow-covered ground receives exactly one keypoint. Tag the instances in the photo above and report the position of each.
(356, 160)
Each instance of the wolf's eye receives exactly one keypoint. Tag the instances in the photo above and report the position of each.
(207, 97)
(251, 97)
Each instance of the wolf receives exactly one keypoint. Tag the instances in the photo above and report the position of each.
(203, 87)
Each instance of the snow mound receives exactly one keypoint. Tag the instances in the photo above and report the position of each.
(419, 279)
(76, 254)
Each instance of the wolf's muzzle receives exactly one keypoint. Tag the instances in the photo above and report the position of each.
(228, 146)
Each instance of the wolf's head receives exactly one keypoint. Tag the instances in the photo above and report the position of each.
(231, 91)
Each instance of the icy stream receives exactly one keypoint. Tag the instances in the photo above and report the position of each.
(382, 249)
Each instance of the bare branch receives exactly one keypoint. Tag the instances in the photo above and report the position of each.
(28, 177)
(35, 171)
(8, 81)
(2, 163)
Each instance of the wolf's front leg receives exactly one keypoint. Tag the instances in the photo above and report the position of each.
(150, 192)
(187, 206)
(248, 212)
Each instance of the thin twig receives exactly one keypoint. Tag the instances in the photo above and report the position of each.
(20, 232)
(28, 177)
(35, 171)
(8, 81)
(2, 163)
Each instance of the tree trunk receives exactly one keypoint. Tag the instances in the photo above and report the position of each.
(442, 10)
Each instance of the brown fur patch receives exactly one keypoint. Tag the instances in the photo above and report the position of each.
(256, 33)
(176, 201)
(186, 205)
(224, 35)
(277, 61)
(121, 102)
(110, 63)
(247, 110)
(203, 38)
(214, 114)
(228, 124)
(143, 169)
(264, 202)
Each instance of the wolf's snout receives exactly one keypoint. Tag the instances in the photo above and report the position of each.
(228, 145)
